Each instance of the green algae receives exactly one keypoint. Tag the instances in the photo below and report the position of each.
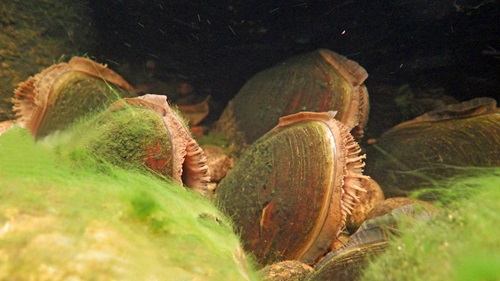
(64, 217)
(128, 138)
(459, 243)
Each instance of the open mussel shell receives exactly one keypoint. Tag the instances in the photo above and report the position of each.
(414, 154)
(146, 132)
(291, 190)
(54, 98)
(319, 81)
(369, 241)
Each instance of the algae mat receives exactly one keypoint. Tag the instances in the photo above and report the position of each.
(93, 221)
(462, 242)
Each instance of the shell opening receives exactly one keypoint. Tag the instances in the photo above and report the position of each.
(195, 169)
(353, 173)
(190, 163)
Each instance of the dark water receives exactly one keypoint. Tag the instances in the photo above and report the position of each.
(416, 52)
(409, 48)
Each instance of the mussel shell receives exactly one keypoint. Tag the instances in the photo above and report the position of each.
(347, 265)
(62, 93)
(74, 95)
(411, 155)
(291, 190)
(133, 137)
(318, 81)
(370, 240)
(146, 132)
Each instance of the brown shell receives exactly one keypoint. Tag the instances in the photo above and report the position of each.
(40, 102)
(189, 161)
(319, 81)
(367, 201)
(474, 107)
(195, 113)
(291, 190)
(415, 154)
(388, 205)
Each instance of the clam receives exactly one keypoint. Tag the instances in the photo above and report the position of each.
(410, 155)
(291, 191)
(370, 240)
(318, 81)
(54, 98)
(146, 132)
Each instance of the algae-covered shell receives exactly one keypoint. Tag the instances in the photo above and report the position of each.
(52, 99)
(146, 131)
(430, 146)
(291, 190)
(318, 81)
(370, 240)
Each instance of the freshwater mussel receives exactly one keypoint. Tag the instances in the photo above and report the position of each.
(318, 81)
(413, 154)
(291, 190)
(296, 183)
(370, 240)
(132, 132)
(146, 132)
(64, 92)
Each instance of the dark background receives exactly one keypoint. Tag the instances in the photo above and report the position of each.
(415, 48)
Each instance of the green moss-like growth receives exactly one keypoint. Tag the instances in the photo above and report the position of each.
(132, 138)
(460, 243)
(36, 34)
(62, 217)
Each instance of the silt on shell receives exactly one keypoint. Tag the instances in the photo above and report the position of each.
(291, 190)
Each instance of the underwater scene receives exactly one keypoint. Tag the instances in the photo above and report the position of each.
(249, 140)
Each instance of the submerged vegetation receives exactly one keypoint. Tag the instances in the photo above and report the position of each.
(460, 243)
(96, 221)
(69, 210)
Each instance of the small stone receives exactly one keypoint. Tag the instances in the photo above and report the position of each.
(286, 271)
